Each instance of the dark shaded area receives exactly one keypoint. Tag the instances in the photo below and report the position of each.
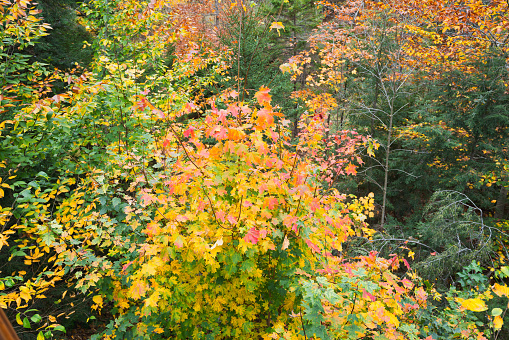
(63, 47)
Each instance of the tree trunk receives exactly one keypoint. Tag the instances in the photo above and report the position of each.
(501, 202)
(387, 154)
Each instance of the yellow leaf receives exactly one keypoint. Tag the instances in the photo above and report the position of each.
(98, 300)
(25, 293)
(498, 322)
(18, 319)
(152, 300)
(277, 25)
(501, 290)
(159, 330)
(475, 305)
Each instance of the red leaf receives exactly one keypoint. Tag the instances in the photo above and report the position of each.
(221, 215)
(252, 236)
(182, 218)
(313, 246)
(271, 202)
(232, 219)
(406, 264)
(189, 132)
(366, 296)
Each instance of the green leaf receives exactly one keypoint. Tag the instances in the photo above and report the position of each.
(116, 201)
(60, 328)
(48, 238)
(26, 323)
(36, 318)
(369, 286)
(496, 312)
(505, 271)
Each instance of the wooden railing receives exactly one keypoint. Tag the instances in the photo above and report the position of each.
(6, 330)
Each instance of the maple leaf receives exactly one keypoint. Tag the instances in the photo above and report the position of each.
(221, 215)
(277, 25)
(232, 219)
(290, 222)
(313, 246)
(367, 296)
(351, 169)
(271, 202)
(138, 289)
(221, 134)
(189, 132)
(263, 96)
(152, 300)
(421, 294)
(179, 242)
(252, 236)
(265, 117)
(182, 218)
(147, 198)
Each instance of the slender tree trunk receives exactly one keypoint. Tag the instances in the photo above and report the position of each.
(501, 201)
(387, 154)
(239, 51)
(216, 14)
(372, 130)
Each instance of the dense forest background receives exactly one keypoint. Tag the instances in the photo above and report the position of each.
(272, 169)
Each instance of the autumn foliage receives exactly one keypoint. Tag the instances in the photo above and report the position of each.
(219, 227)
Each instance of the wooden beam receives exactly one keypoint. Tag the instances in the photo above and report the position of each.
(6, 330)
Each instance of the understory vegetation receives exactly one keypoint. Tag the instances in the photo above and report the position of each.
(272, 169)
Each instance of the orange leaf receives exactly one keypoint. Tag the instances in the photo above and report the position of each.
(351, 169)
(501, 290)
(263, 96)
(265, 118)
